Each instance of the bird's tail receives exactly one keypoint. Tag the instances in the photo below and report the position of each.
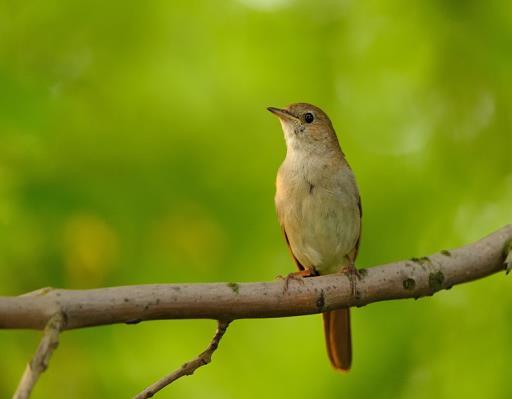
(338, 338)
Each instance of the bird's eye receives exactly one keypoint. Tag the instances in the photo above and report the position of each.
(308, 117)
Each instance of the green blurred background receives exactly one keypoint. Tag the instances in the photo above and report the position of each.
(135, 148)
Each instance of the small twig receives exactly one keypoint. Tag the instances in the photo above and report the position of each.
(39, 362)
(188, 368)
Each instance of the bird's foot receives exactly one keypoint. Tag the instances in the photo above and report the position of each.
(508, 257)
(353, 275)
(297, 276)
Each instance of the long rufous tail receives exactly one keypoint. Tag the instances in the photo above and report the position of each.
(338, 338)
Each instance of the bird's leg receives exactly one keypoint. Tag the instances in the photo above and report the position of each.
(299, 276)
(353, 275)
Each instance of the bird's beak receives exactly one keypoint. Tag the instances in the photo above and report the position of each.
(283, 114)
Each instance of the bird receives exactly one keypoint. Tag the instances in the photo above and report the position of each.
(319, 210)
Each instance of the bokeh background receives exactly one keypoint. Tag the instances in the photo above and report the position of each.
(135, 148)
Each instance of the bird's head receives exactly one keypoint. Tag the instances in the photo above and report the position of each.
(306, 127)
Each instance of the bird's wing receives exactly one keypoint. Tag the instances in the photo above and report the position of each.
(355, 251)
(282, 224)
(299, 265)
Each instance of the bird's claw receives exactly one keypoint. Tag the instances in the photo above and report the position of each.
(353, 275)
(297, 276)
(508, 257)
(288, 278)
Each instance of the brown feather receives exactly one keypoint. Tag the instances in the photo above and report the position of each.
(299, 265)
(355, 251)
(338, 338)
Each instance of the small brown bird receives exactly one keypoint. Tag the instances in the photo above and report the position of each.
(319, 210)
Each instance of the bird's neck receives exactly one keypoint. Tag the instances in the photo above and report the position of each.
(297, 154)
(312, 165)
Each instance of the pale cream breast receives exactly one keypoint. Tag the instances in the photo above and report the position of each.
(317, 205)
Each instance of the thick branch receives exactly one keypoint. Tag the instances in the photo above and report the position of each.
(228, 301)
(188, 368)
(39, 362)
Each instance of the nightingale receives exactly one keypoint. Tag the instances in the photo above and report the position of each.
(319, 211)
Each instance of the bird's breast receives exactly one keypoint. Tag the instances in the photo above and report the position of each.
(320, 214)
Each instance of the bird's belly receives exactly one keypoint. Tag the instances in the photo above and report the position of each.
(326, 229)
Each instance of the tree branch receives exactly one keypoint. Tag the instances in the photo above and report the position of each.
(58, 309)
(188, 368)
(39, 362)
(412, 278)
